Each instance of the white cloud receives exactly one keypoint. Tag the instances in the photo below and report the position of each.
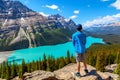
(73, 17)
(103, 20)
(116, 4)
(52, 6)
(42, 13)
(104, 0)
(76, 12)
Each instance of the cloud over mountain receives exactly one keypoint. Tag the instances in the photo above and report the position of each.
(103, 20)
(73, 17)
(42, 13)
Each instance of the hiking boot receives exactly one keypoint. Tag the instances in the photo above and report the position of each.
(77, 74)
(86, 71)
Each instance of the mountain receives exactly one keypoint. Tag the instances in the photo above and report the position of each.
(103, 29)
(21, 27)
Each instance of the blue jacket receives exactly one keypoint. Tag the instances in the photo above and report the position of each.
(79, 41)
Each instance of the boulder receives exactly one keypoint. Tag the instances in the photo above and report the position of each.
(110, 68)
(114, 76)
(16, 78)
(39, 75)
(103, 76)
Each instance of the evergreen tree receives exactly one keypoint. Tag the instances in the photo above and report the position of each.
(44, 62)
(100, 63)
(0, 70)
(56, 66)
(37, 65)
(3, 70)
(8, 71)
(13, 70)
(29, 67)
(68, 57)
(20, 72)
(24, 68)
(72, 59)
(33, 66)
(50, 63)
(61, 62)
(117, 60)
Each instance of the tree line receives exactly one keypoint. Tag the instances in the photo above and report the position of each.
(10, 70)
(97, 55)
(101, 55)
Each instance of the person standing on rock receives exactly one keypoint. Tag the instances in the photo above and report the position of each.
(79, 41)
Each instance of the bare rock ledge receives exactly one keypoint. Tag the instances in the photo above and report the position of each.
(67, 73)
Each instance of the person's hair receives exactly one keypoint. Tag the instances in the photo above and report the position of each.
(79, 27)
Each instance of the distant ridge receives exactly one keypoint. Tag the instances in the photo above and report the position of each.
(103, 29)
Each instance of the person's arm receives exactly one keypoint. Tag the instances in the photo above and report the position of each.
(84, 38)
(73, 40)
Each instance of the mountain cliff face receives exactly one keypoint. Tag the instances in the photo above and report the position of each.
(21, 27)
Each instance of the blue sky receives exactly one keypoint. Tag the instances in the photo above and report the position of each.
(86, 12)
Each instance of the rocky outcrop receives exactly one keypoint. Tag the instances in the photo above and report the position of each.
(114, 76)
(42, 75)
(21, 36)
(38, 75)
(110, 68)
(67, 73)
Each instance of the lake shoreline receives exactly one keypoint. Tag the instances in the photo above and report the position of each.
(57, 51)
(4, 55)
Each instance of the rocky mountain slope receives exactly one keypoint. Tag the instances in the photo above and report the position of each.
(21, 27)
(67, 73)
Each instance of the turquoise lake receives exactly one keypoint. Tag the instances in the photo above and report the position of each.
(58, 50)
